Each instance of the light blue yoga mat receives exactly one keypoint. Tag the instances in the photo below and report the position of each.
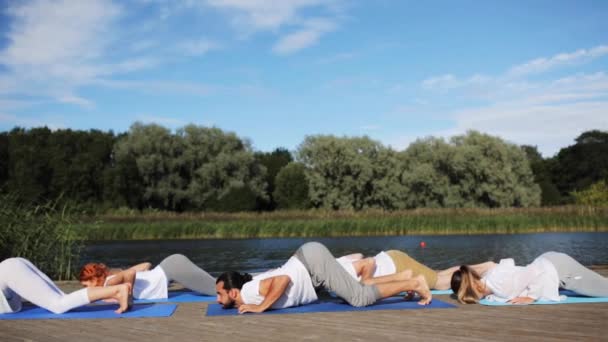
(93, 312)
(572, 298)
(441, 292)
(393, 303)
(180, 297)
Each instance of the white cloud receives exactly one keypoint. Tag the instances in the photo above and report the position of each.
(511, 76)
(264, 14)
(305, 37)
(77, 100)
(548, 126)
(55, 46)
(549, 113)
(50, 32)
(567, 58)
(251, 16)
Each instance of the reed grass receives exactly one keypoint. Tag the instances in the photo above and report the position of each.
(320, 223)
(43, 234)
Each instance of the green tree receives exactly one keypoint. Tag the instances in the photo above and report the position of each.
(195, 168)
(273, 162)
(349, 173)
(154, 150)
(541, 169)
(582, 164)
(426, 175)
(596, 194)
(291, 187)
(29, 169)
(78, 160)
(3, 160)
(472, 170)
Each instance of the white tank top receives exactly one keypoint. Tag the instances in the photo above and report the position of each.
(384, 265)
(299, 291)
(150, 284)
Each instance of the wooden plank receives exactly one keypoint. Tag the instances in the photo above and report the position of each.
(587, 322)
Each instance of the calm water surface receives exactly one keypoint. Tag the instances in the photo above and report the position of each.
(255, 255)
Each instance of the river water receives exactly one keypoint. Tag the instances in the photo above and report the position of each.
(254, 255)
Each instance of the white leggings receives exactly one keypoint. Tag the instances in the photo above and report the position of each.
(23, 278)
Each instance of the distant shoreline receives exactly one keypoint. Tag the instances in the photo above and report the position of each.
(304, 224)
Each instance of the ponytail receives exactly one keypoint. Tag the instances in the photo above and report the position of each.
(462, 283)
(233, 280)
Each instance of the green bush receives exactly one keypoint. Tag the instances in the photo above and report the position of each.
(42, 234)
(596, 194)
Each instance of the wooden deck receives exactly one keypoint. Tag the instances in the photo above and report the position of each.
(573, 322)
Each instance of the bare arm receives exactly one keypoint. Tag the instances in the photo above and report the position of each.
(365, 268)
(144, 266)
(272, 289)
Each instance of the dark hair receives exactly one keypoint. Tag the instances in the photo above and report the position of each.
(233, 280)
(456, 280)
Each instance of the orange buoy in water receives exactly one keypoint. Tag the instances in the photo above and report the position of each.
(422, 244)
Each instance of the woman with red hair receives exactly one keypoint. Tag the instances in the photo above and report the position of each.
(19, 278)
(151, 283)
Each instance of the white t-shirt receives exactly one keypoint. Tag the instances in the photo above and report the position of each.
(299, 291)
(384, 265)
(538, 280)
(151, 284)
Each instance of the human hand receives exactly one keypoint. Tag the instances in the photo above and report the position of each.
(522, 300)
(250, 308)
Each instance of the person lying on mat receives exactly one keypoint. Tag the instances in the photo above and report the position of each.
(539, 280)
(394, 265)
(151, 283)
(20, 279)
(312, 266)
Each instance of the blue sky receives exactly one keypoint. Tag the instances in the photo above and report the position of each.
(531, 72)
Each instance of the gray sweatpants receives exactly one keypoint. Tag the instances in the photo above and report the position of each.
(576, 277)
(180, 269)
(327, 273)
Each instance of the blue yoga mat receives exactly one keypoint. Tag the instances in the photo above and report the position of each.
(572, 298)
(180, 297)
(93, 312)
(434, 292)
(393, 303)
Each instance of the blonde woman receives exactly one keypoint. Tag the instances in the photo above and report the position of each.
(395, 265)
(540, 280)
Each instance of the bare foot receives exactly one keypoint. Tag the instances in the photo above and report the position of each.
(423, 290)
(123, 297)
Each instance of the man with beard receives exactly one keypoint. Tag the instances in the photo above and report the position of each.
(311, 267)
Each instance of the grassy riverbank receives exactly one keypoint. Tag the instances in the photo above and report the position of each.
(316, 223)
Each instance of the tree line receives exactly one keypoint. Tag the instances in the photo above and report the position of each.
(196, 168)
